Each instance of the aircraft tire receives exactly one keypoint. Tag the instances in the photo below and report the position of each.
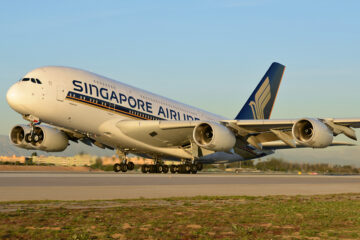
(193, 169)
(130, 166)
(165, 169)
(187, 168)
(199, 166)
(159, 168)
(152, 168)
(116, 167)
(144, 168)
(123, 167)
(180, 168)
(172, 168)
(184, 168)
(28, 138)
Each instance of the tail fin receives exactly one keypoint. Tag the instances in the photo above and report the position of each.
(261, 101)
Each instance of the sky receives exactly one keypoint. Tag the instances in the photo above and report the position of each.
(207, 53)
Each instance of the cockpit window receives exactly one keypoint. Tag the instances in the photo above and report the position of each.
(33, 80)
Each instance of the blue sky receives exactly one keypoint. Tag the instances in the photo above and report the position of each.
(206, 53)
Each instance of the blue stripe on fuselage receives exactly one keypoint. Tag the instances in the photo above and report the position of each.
(109, 106)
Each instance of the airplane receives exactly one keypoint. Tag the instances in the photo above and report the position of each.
(65, 104)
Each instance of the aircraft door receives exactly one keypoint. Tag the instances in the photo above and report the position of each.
(112, 108)
(42, 93)
(60, 93)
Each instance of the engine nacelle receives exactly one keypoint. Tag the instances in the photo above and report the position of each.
(214, 137)
(49, 139)
(312, 133)
(17, 136)
(44, 138)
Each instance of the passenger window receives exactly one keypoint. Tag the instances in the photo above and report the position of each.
(33, 80)
(25, 79)
(38, 81)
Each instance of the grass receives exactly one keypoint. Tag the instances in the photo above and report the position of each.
(240, 217)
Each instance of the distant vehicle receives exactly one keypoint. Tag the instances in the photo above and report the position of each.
(63, 103)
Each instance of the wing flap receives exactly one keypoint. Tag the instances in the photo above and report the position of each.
(281, 145)
(258, 126)
(349, 122)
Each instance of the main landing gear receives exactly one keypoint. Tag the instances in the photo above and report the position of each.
(154, 168)
(124, 166)
(157, 167)
(162, 168)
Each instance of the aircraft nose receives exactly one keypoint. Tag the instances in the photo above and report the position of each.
(13, 97)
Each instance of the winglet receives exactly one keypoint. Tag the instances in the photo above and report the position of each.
(261, 101)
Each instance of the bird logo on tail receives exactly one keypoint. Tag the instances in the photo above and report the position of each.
(262, 98)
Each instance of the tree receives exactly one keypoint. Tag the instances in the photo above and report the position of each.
(98, 164)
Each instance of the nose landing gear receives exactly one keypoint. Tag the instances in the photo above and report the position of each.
(35, 135)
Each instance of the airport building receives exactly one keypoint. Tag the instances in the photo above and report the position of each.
(77, 160)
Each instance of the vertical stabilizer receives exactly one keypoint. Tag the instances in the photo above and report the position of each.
(261, 101)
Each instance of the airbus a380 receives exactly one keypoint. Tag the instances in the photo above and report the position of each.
(65, 104)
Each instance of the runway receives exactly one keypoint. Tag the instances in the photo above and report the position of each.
(16, 186)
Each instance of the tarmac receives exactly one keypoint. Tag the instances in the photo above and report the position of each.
(18, 186)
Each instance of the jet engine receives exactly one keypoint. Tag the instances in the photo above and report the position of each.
(312, 133)
(43, 138)
(214, 137)
(48, 139)
(17, 136)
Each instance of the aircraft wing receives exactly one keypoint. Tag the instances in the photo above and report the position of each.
(254, 132)
(258, 132)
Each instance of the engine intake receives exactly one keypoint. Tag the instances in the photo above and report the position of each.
(49, 139)
(312, 133)
(17, 136)
(214, 137)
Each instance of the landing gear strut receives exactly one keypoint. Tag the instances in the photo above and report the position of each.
(34, 135)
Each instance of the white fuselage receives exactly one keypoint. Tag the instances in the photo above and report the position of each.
(91, 104)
